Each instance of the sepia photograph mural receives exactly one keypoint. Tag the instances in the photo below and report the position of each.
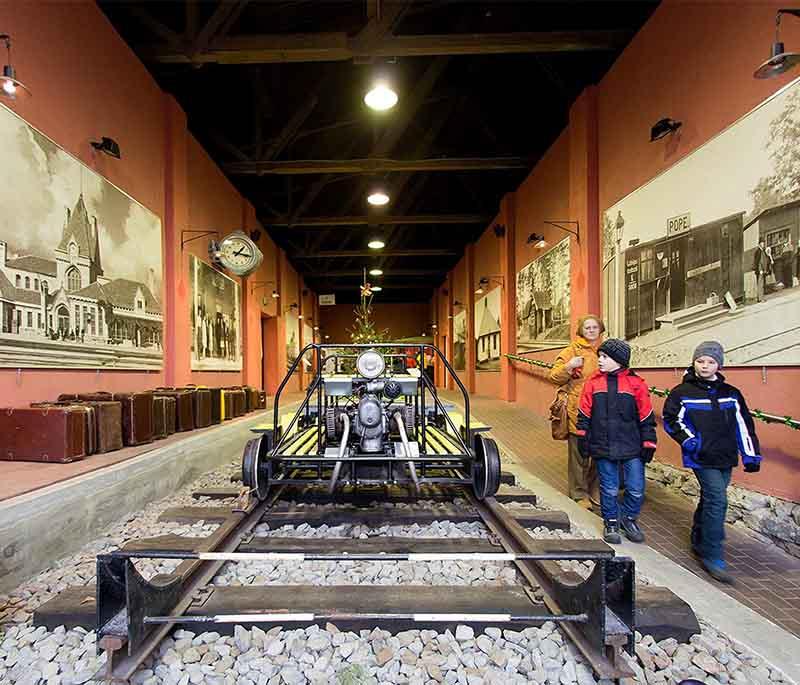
(76, 288)
(543, 304)
(460, 341)
(487, 332)
(216, 319)
(709, 248)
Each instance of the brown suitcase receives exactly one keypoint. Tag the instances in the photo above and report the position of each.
(66, 396)
(109, 424)
(137, 417)
(159, 417)
(170, 413)
(216, 405)
(227, 404)
(98, 396)
(46, 434)
(237, 396)
(90, 421)
(184, 407)
(250, 398)
(202, 407)
(262, 400)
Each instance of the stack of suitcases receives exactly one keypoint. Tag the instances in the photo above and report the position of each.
(77, 425)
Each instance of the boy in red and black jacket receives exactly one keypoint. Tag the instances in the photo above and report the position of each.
(616, 426)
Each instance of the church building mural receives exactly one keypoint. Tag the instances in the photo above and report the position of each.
(76, 288)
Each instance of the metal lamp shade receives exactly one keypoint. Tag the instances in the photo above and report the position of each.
(779, 63)
(10, 87)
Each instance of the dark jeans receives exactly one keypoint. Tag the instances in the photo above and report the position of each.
(708, 528)
(633, 474)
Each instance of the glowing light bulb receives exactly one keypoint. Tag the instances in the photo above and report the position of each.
(378, 198)
(9, 87)
(376, 272)
(376, 288)
(376, 244)
(380, 98)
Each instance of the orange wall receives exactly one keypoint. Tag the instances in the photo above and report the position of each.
(402, 320)
(605, 153)
(87, 83)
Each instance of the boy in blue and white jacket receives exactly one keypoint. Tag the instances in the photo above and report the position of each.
(710, 420)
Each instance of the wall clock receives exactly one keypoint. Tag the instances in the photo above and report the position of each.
(237, 253)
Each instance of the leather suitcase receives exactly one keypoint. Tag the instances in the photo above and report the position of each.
(109, 424)
(46, 434)
(216, 405)
(98, 396)
(262, 400)
(184, 407)
(90, 422)
(202, 407)
(237, 397)
(159, 417)
(137, 417)
(251, 398)
(65, 397)
(227, 404)
(170, 413)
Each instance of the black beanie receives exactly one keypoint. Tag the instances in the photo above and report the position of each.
(618, 350)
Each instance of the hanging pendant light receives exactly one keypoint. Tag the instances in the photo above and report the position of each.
(10, 85)
(779, 61)
(376, 244)
(380, 97)
(378, 197)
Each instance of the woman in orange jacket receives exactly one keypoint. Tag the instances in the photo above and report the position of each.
(574, 364)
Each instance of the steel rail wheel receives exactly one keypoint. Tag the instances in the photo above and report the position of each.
(485, 468)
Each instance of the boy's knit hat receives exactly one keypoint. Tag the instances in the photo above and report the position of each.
(710, 348)
(618, 350)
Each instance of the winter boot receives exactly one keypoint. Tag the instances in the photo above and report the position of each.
(631, 530)
(611, 532)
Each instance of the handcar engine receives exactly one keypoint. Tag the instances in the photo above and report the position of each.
(370, 423)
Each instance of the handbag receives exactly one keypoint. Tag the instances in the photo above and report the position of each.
(559, 418)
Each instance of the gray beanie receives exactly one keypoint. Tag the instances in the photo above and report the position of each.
(710, 348)
(618, 350)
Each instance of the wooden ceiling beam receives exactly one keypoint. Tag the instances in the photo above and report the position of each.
(357, 273)
(348, 254)
(338, 46)
(389, 220)
(372, 165)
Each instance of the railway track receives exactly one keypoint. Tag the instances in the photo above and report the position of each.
(595, 611)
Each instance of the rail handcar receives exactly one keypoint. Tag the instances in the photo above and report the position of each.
(369, 418)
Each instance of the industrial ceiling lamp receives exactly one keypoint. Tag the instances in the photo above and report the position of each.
(376, 288)
(107, 145)
(537, 241)
(779, 61)
(376, 244)
(376, 272)
(380, 97)
(378, 197)
(10, 86)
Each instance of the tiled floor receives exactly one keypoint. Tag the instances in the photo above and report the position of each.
(768, 579)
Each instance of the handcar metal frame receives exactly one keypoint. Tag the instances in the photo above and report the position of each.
(311, 446)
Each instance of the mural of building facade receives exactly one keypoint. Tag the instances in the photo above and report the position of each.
(216, 319)
(487, 332)
(460, 341)
(76, 289)
(709, 249)
(543, 299)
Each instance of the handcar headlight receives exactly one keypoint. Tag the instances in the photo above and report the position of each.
(370, 364)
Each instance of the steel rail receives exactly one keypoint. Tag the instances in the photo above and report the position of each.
(513, 537)
(195, 575)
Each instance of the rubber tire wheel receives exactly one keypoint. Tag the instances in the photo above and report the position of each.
(256, 470)
(485, 468)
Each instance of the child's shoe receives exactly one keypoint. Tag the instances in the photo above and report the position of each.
(631, 530)
(611, 532)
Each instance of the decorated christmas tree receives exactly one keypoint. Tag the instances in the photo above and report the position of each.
(363, 330)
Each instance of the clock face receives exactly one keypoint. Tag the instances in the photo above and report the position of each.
(239, 254)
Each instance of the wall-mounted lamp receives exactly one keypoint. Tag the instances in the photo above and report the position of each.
(10, 86)
(108, 146)
(779, 61)
(563, 225)
(664, 127)
(255, 285)
(536, 240)
(290, 307)
(483, 283)
(499, 230)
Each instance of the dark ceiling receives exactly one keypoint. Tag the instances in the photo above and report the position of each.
(484, 87)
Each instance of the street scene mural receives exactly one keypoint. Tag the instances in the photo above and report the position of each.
(292, 337)
(76, 288)
(543, 300)
(460, 341)
(487, 332)
(216, 319)
(709, 249)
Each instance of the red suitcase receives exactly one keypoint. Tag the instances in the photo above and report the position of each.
(90, 422)
(137, 417)
(46, 434)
